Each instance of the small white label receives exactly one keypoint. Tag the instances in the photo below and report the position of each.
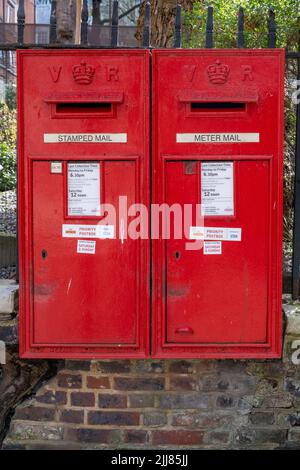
(216, 233)
(88, 231)
(2, 353)
(84, 189)
(85, 138)
(56, 167)
(212, 248)
(217, 138)
(106, 231)
(86, 246)
(217, 188)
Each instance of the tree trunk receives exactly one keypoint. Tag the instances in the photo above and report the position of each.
(162, 21)
(66, 21)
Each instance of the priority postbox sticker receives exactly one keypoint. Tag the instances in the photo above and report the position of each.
(88, 231)
(216, 233)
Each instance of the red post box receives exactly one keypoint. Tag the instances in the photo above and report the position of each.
(218, 147)
(83, 143)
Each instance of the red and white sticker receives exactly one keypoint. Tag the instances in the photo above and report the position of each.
(86, 246)
(212, 248)
(216, 233)
(88, 231)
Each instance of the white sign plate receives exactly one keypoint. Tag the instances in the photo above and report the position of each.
(86, 246)
(216, 233)
(217, 188)
(56, 167)
(88, 231)
(217, 138)
(212, 248)
(85, 138)
(84, 189)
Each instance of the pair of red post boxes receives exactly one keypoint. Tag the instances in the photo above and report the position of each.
(146, 236)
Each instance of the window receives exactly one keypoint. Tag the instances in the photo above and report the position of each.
(11, 13)
(42, 36)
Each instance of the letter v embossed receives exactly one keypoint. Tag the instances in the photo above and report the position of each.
(55, 73)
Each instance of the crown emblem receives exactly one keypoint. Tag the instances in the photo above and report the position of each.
(83, 73)
(218, 73)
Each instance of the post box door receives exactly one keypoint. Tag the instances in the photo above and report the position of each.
(85, 290)
(217, 288)
(218, 293)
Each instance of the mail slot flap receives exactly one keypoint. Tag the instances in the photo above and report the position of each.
(198, 96)
(103, 97)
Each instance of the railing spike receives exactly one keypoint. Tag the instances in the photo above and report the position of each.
(53, 37)
(115, 24)
(272, 29)
(209, 40)
(84, 23)
(96, 12)
(146, 34)
(21, 21)
(177, 42)
(240, 35)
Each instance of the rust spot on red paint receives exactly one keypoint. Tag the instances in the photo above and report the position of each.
(190, 168)
(177, 292)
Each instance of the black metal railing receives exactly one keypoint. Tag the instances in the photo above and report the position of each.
(100, 35)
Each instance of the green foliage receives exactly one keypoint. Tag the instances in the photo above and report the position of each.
(256, 22)
(8, 126)
(8, 135)
(8, 168)
(11, 96)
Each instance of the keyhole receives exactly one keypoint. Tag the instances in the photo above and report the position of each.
(177, 254)
(44, 254)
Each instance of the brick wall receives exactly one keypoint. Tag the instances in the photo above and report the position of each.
(169, 404)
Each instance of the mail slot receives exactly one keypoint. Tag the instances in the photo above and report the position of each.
(83, 144)
(218, 160)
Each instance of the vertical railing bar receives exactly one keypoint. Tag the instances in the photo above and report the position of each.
(272, 29)
(96, 22)
(53, 38)
(84, 23)
(209, 40)
(146, 33)
(296, 234)
(96, 12)
(21, 22)
(20, 39)
(240, 35)
(177, 42)
(115, 24)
